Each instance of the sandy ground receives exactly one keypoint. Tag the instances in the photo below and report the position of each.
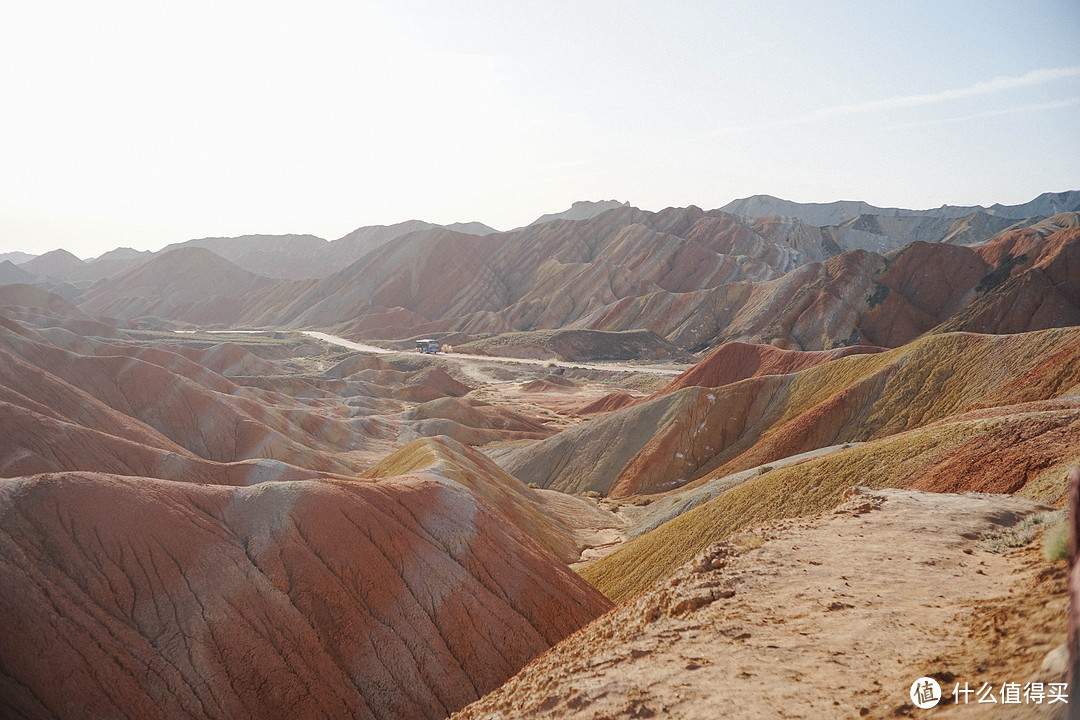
(833, 616)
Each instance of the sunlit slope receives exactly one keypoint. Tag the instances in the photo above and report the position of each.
(469, 468)
(696, 433)
(1024, 449)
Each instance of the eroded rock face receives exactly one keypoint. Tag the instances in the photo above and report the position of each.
(137, 597)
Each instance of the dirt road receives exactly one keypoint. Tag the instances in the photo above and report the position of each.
(473, 359)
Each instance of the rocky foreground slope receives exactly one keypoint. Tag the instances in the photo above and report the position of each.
(834, 615)
(138, 597)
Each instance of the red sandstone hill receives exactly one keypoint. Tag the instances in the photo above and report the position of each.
(178, 544)
(169, 395)
(403, 597)
(104, 407)
(549, 275)
(40, 308)
(697, 278)
(1035, 284)
(730, 363)
(1024, 449)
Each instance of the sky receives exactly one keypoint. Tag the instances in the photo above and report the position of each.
(138, 124)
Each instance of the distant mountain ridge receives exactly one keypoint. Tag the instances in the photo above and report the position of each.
(835, 213)
(16, 258)
(57, 264)
(12, 273)
(696, 278)
(581, 210)
(191, 282)
(472, 228)
(300, 257)
(817, 230)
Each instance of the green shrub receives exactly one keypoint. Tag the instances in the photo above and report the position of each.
(1020, 534)
(1056, 541)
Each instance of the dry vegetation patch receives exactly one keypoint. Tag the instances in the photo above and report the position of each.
(798, 490)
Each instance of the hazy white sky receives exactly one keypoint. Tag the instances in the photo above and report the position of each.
(135, 123)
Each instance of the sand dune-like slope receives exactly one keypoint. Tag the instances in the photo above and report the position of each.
(589, 456)
(834, 615)
(471, 421)
(89, 404)
(41, 309)
(36, 441)
(137, 597)
(229, 360)
(473, 470)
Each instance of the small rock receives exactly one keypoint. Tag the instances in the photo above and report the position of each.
(1056, 662)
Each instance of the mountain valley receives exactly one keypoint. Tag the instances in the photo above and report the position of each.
(769, 459)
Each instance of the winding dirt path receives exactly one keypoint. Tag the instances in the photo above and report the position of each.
(466, 359)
